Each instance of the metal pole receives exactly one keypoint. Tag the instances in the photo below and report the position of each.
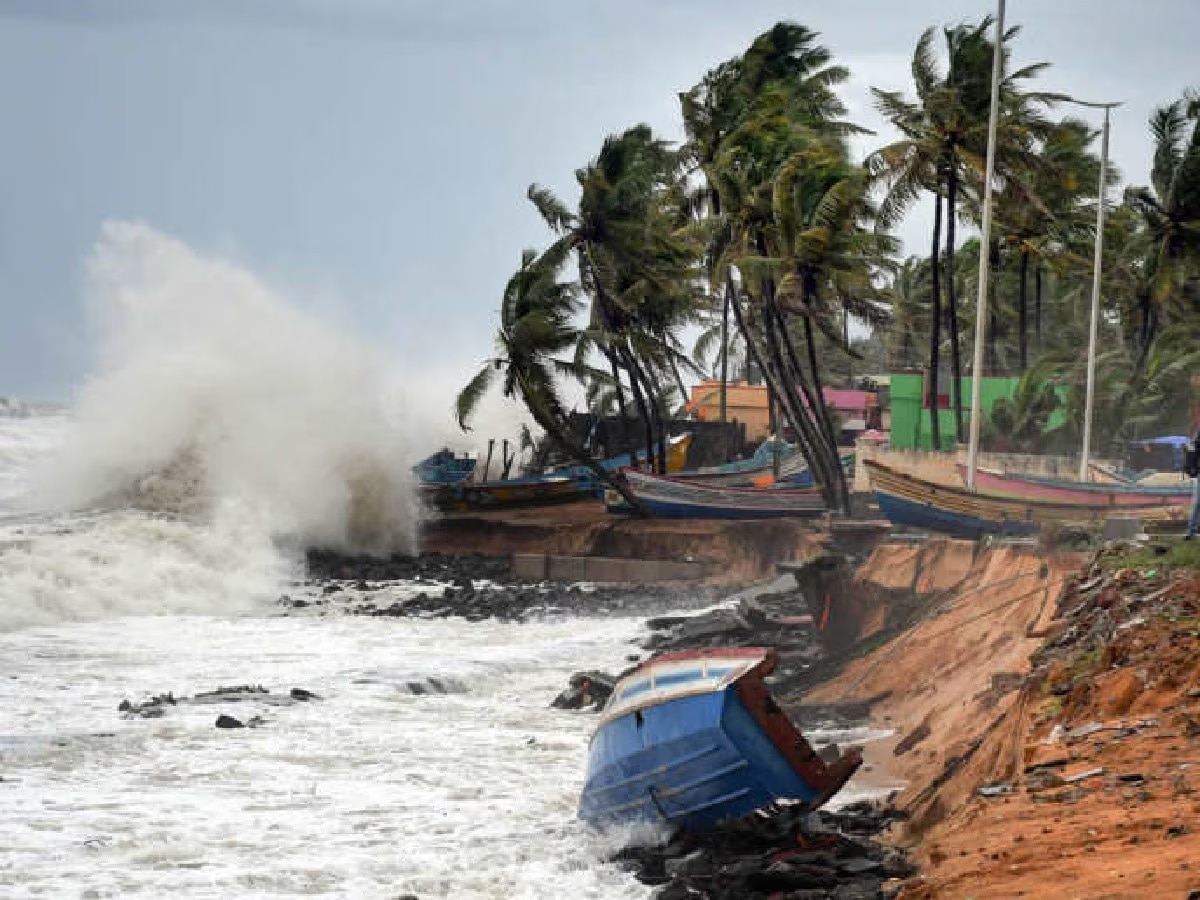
(1095, 323)
(984, 243)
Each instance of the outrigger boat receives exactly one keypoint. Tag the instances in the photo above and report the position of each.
(559, 486)
(514, 492)
(444, 467)
(1060, 490)
(908, 500)
(693, 739)
(680, 499)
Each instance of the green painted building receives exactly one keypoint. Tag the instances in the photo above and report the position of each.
(910, 429)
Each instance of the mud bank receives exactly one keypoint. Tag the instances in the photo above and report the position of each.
(1045, 712)
(738, 551)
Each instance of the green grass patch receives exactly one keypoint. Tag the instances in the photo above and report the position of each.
(1051, 708)
(1163, 555)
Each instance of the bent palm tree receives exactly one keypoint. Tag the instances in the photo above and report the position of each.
(1170, 213)
(535, 326)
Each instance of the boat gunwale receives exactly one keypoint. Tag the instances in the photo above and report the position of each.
(911, 487)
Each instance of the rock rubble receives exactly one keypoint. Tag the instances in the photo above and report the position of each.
(783, 851)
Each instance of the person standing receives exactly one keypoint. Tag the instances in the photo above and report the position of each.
(1191, 467)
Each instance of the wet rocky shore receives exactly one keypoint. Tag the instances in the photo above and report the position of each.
(469, 586)
(783, 852)
(787, 851)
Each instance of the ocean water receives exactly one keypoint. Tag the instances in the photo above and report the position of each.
(144, 540)
(372, 791)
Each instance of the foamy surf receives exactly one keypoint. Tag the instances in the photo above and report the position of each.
(210, 387)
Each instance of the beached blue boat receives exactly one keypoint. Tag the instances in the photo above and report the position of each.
(693, 739)
(677, 450)
(676, 498)
(804, 477)
(533, 490)
(958, 512)
(444, 467)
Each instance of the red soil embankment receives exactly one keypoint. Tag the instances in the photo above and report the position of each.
(1099, 758)
(1078, 705)
(944, 681)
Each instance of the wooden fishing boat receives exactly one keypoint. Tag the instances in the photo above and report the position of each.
(677, 450)
(561, 486)
(737, 474)
(908, 500)
(674, 498)
(692, 739)
(1059, 490)
(444, 467)
(804, 478)
(515, 492)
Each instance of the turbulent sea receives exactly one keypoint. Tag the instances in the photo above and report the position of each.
(371, 792)
(145, 538)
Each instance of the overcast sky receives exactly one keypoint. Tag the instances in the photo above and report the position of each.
(371, 156)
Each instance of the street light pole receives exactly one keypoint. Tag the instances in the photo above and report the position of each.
(1090, 396)
(984, 242)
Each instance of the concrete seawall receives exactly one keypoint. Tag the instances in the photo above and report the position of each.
(580, 542)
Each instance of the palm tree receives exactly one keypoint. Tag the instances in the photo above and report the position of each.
(635, 265)
(942, 150)
(1169, 209)
(908, 299)
(536, 314)
(747, 120)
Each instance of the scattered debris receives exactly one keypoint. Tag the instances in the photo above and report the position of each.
(995, 790)
(779, 850)
(1084, 775)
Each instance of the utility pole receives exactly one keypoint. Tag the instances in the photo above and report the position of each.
(1090, 396)
(984, 244)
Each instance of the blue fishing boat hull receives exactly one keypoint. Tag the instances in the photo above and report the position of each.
(668, 510)
(690, 762)
(901, 511)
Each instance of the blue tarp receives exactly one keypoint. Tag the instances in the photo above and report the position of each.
(1173, 440)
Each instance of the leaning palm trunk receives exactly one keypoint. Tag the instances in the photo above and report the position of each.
(642, 409)
(775, 371)
(814, 400)
(1022, 310)
(839, 473)
(770, 375)
(1037, 305)
(657, 432)
(616, 374)
(952, 307)
(725, 352)
(935, 326)
(560, 436)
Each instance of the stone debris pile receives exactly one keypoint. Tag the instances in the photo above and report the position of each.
(156, 706)
(781, 852)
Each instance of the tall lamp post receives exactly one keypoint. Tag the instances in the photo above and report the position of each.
(1090, 396)
(984, 241)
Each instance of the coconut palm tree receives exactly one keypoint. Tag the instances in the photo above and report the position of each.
(1169, 209)
(536, 329)
(635, 264)
(746, 120)
(942, 151)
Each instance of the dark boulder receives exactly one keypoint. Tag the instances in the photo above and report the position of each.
(584, 690)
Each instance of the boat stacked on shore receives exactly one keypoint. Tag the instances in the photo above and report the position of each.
(1014, 506)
